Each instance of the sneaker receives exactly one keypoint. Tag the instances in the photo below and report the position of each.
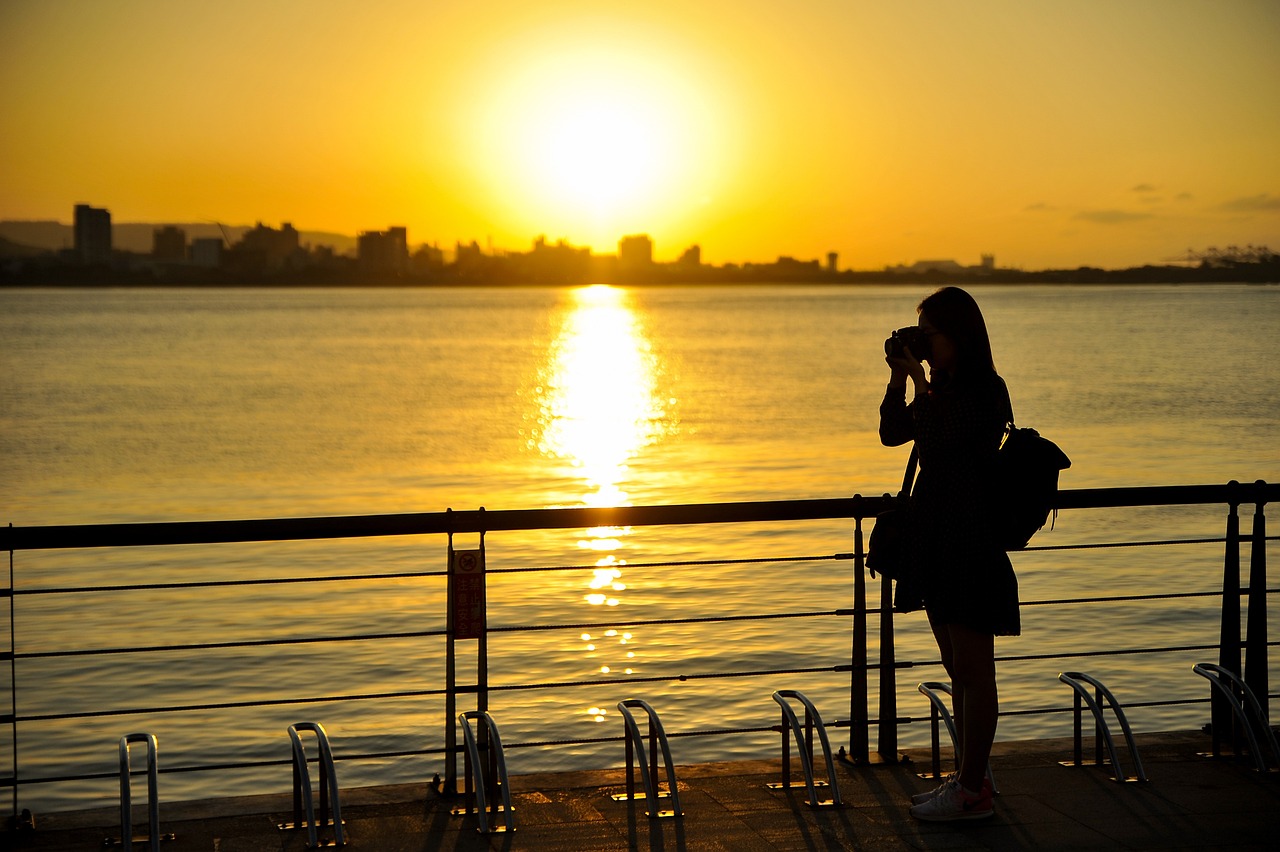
(955, 803)
(921, 798)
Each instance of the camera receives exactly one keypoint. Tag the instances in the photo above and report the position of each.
(910, 337)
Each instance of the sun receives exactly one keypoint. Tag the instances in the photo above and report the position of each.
(600, 156)
(592, 139)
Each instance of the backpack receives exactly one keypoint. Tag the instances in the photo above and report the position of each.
(1025, 485)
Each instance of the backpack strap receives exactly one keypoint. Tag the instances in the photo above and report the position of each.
(909, 474)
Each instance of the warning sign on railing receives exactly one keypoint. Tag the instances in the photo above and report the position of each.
(468, 593)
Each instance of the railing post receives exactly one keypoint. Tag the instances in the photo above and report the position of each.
(450, 786)
(12, 654)
(859, 735)
(887, 742)
(1222, 720)
(1255, 672)
(466, 619)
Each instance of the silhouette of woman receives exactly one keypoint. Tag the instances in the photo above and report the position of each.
(962, 577)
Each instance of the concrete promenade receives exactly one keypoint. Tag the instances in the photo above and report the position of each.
(1190, 802)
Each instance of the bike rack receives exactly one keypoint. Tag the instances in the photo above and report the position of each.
(938, 710)
(1101, 732)
(804, 744)
(302, 796)
(126, 838)
(494, 779)
(1247, 709)
(649, 766)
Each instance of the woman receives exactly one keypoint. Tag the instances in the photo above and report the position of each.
(963, 579)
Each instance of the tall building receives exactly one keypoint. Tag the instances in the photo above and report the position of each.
(93, 234)
(169, 244)
(384, 250)
(833, 259)
(206, 252)
(692, 256)
(635, 252)
(265, 247)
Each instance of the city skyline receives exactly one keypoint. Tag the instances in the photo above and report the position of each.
(89, 238)
(1105, 134)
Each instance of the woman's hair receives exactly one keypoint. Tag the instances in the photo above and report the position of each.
(954, 313)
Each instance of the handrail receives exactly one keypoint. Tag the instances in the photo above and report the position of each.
(859, 722)
(475, 521)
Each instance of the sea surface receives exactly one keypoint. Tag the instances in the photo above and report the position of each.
(132, 405)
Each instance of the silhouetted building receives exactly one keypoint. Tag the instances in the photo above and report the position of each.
(692, 256)
(988, 262)
(92, 234)
(265, 247)
(385, 251)
(832, 259)
(635, 252)
(169, 244)
(553, 263)
(427, 260)
(923, 266)
(206, 252)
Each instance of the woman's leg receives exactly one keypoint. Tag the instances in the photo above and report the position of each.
(973, 676)
(942, 635)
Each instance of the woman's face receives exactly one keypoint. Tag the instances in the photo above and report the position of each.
(942, 348)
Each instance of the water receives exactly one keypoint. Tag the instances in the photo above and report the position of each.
(163, 405)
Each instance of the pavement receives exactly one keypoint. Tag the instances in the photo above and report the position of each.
(1190, 801)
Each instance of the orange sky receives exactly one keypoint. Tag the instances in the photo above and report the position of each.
(1047, 133)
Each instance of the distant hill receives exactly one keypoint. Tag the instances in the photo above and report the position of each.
(137, 236)
(9, 248)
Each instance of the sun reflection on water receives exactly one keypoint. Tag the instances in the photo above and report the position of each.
(599, 405)
(599, 408)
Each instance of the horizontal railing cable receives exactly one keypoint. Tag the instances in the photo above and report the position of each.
(685, 563)
(244, 643)
(230, 705)
(213, 584)
(650, 622)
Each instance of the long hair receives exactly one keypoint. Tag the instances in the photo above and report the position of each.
(955, 313)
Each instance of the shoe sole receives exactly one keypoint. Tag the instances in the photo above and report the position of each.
(963, 815)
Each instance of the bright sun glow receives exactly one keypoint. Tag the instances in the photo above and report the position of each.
(593, 143)
(597, 156)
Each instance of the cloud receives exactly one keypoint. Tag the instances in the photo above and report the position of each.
(1038, 207)
(1111, 217)
(1144, 187)
(1254, 203)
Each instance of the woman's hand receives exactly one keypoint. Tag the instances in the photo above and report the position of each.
(907, 365)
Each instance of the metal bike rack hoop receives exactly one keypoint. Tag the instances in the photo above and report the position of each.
(302, 796)
(635, 743)
(804, 744)
(497, 763)
(1248, 710)
(1102, 733)
(126, 839)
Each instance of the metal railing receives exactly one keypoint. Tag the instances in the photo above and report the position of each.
(467, 618)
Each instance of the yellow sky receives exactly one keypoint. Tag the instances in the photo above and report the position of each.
(1105, 132)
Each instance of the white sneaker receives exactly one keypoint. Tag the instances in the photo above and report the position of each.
(921, 798)
(955, 803)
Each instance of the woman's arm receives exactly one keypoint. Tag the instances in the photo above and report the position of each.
(897, 423)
